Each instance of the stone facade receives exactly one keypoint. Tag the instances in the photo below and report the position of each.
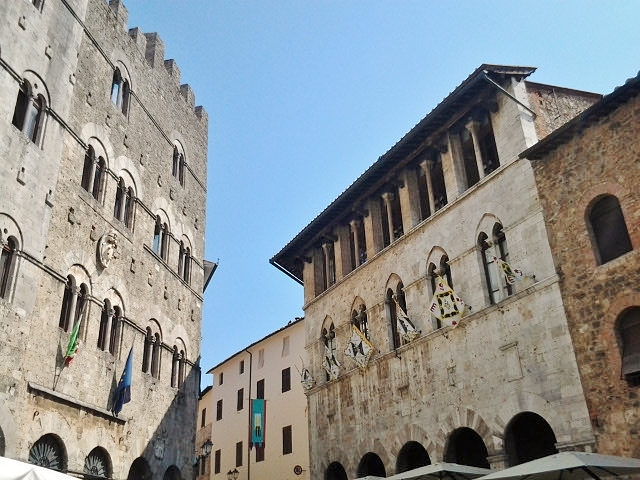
(592, 158)
(102, 225)
(501, 387)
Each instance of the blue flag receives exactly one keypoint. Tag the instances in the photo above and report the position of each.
(122, 394)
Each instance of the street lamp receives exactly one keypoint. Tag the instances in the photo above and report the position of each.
(233, 474)
(205, 449)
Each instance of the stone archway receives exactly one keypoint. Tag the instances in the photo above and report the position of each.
(411, 455)
(527, 437)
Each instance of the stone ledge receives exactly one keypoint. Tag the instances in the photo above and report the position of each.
(73, 402)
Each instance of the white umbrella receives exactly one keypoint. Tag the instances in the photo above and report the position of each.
(442, 471)
(16, 470)
(569, 466)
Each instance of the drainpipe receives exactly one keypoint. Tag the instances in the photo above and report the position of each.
(486, 77)
(249, 439)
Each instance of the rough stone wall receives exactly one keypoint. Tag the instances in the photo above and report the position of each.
(502, 360)
(555, 106)
(60, 226)
(602, 159)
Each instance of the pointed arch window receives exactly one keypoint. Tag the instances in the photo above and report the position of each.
(359, 319)
(184, 262)
(391, 299)
(491, 248)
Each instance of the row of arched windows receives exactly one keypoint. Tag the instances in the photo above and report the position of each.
(93, 181)
(75, 304)
(161, 240)
(528, 436)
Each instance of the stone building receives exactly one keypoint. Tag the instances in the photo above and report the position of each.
(423, 349)
(102, 217)
(587, 174)
(259, 381)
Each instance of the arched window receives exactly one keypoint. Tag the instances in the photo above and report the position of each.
(359, 319)
(74, 303)
(395, 300)
(330, 363)
(147, 352)
(184, 262)
(155, 356)
(161, 239)
(97, 464)
(105, 325)
(48, 452)
(120, 91)
(7, 261)
(178, 164)
(628, 334)
(491, 249)
(29, 113)
(609, 229)
(432, 273)
(116, 322)
(93, 173)
(123, 206)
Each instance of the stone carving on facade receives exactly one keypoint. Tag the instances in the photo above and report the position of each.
(108, 248)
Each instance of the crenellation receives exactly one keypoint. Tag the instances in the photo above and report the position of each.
(187, 93)
(201, 113)
(121, 13)
(154, 52)
(173, 70)
(139, 39)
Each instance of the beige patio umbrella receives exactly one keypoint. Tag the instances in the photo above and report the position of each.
(442, 471)
(569, 466)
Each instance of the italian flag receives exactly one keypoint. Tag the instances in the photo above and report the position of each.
(72, 347)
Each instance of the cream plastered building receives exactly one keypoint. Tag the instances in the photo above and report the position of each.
(269, 369)
(102, 215)
(408, 372)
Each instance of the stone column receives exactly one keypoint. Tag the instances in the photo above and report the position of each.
(472, 126)
(373, 228)
(355, 225)
(387, 197)
(426, 168)
(330, 279)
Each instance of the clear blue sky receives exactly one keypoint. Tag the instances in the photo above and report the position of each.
(304, 95)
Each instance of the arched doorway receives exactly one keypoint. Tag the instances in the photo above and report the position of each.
(48, 452)
(527, 437)
(411, 455)
(370, 464)
(335, 471)
(466, 447)
(139, 470)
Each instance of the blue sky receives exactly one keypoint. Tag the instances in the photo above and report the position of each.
(304, 95)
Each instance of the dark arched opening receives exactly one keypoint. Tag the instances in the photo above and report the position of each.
(466, 447)
(370, 464)
(335, 471)
(411, 455)
(139, 470)
(527, 437)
